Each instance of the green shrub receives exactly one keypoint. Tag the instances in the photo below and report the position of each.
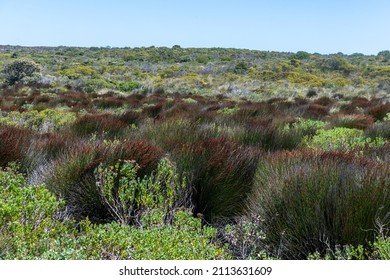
(342, 138)
(24, 71)
(245, 239)
(27, 216)
(47, 120)
(184, 239)
(128, 197)
(309, 202)
(228, 111)
(31, 229)
(128, 86)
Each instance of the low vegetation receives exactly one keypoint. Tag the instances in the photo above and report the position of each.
(159, 153)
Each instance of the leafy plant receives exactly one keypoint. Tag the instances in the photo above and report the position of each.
(343, 138)
(24, 71)
(128, 197)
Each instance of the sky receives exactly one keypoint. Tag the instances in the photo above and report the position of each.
(323, 26)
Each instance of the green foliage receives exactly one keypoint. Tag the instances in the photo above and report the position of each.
(228, 110)
(241, 68)
(342, 138)
(23, 71)
(128, 197)
(202, 59)
(184, 239)
(47, 120)
(27, 216)
(78, 71)
(378, 250)
(30, 230)
(300, 55)
(128, 86)
(245, 239)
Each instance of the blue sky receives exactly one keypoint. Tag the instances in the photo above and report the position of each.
(331, 26)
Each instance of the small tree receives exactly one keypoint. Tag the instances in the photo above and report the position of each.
(24, 71)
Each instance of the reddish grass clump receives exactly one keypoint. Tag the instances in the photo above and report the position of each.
(153, 110)
(14, 144)
(220, 173)
(379, 112)
(314, 111)
(351, 121)
(324, 101)
(108, 102)
(143, 153)
(101, 123)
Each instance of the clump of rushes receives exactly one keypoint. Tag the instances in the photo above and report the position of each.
(14, 144)
(314, 201)
(314, 111)
(153, 110)
(72, 179)
(108, 102)
(171, 133)
(220, 173)
(131, 117)
(324, 101)
(378, 129)
(103, 124)
(46, 147)
(351, 121)
(379, 112)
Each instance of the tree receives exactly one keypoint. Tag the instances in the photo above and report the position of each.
(24, 71)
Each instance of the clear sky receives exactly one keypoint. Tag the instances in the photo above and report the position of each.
(324, 26)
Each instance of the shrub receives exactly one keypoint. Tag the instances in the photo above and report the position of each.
(128, 197)
(341, 138)
(24, 71)
(185, 239)
(128, 86)
(310, 201)
(28, 218)
(47, 120)
(32, 229)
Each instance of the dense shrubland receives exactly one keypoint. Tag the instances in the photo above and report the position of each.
(158, 153)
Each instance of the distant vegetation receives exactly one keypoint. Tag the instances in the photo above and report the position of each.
(173, 153)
